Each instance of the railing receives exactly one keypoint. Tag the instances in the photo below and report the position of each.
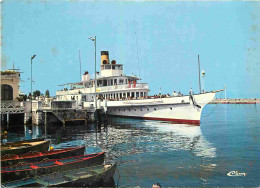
(11, 107)
(105, 88)
(122, 87)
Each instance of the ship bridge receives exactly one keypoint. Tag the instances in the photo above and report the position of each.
(109, 69)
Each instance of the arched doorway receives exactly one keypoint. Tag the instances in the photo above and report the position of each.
(6, 92)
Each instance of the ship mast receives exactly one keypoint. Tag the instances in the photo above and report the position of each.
(199, 71)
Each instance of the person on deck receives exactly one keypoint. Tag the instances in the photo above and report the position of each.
(191, 92)
(174, 94)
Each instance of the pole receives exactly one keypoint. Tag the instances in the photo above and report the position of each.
(95, 72)
(31, 92)
(199, 71)
(79, 67)
(31, 85)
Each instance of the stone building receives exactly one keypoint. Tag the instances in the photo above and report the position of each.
(10, 80)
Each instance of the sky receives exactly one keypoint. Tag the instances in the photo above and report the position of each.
(161, 40)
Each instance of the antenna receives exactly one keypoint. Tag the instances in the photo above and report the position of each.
(79, 67)
(137, 51)
(199, 71)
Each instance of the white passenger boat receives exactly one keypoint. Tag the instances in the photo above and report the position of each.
(125, 96)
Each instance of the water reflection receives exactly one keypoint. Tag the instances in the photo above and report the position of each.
(32, 132)
(153, 136)
(124, 137)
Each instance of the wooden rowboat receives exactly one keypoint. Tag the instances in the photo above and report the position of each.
(35, 156)
(101, 175)
(23, 141)
(11, 173)
(24, 147)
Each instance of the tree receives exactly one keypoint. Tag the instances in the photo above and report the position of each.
(47, 93)
(30, 96)
(36, 93)
(25, 97)
(21, 98)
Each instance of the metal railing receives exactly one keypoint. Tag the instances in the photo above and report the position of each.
(11, 107)
(105, 88)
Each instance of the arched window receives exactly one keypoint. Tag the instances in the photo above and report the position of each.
(6, 92)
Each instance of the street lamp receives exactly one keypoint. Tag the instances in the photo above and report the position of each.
(31, 84)
(94, 40)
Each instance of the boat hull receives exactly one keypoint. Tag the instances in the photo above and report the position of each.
(23, 141)
(40, 168)
(39, 156)
(24, 147)
(104, 179)
(183, 109)
(83, 177)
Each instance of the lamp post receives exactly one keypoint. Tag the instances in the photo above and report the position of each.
(95, 44)
(31, 84)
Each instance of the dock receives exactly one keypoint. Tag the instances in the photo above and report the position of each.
(235, 101)
(53, 112)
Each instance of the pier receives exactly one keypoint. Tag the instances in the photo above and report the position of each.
(54, 112)
(235, 101)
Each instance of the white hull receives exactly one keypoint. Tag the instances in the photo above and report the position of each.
(178, 109)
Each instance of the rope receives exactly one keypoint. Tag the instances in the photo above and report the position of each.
(213, 108)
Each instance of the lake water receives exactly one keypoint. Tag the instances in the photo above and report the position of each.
(175, 155)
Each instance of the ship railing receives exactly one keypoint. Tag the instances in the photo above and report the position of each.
(105, 88)
(123, 86)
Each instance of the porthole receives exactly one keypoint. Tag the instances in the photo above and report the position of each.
(135, 109)
(171, 108)
(155, 109)
(141, 109)
(147, 109)
(129, 110)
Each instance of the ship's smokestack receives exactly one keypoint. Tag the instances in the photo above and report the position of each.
(104, 57)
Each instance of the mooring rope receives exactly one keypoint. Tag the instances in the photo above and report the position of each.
(213, 108)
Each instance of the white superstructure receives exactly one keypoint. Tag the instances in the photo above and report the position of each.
(124, 95)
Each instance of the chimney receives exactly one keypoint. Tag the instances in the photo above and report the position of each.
(104, 57)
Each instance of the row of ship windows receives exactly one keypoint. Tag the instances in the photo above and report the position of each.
(124, 95)
(135, 109)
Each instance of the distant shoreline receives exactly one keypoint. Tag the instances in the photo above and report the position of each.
(235, 101)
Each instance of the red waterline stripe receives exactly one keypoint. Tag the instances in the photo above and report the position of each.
(180, 121)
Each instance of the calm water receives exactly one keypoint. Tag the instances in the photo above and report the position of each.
(228, 139)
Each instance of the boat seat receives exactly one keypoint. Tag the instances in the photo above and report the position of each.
(34, 167)
(58, 163)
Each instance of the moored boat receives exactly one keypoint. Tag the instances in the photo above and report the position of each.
(23, 141)
(27, 170)
(23, 147)
(10, 160)
(125, 96)
(101, 175)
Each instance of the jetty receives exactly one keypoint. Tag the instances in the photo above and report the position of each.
(235, 101)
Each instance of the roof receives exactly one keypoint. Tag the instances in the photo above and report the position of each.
(99, 78)
(9, 72)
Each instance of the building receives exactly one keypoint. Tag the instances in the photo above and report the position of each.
(10, 80)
